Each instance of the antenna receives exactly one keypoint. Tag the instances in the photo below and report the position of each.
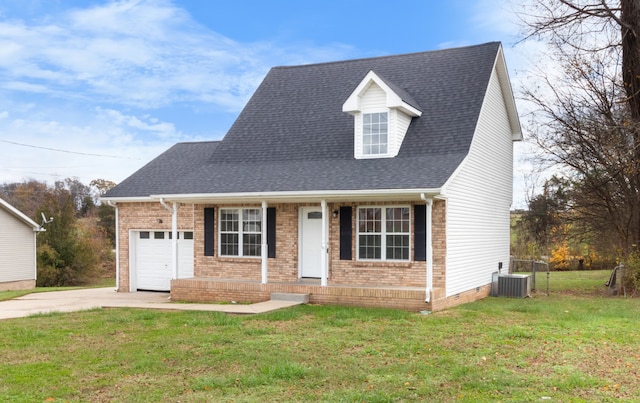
(44, 220)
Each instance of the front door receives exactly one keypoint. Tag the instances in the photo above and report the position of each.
(310, 242)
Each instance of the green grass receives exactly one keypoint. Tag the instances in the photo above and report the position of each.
(568, 346)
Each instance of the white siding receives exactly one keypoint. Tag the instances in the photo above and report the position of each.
(479, 198)
(17, 249)
(401, 122)
(375, 100)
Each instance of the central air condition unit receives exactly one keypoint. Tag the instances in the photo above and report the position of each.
(514, 285)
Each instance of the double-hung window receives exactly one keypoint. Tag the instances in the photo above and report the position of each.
(374, 133)
(240, 232)
(383, 233)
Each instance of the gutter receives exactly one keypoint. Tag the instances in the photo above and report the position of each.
(174, 236)
(429, 247)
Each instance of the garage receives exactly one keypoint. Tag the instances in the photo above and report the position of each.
(153, 255)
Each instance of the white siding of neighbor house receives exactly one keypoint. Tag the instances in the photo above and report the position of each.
(17, 249)
(479, 197)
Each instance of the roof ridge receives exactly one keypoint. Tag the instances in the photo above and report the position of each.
(385, 56)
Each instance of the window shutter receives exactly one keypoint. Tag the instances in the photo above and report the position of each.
(345, 233)
(209, 225)
(420, 234)
(271, 232)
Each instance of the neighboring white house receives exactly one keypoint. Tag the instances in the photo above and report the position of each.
(17, 249)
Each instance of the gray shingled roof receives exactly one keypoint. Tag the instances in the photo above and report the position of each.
(293, 136)
(166, 170)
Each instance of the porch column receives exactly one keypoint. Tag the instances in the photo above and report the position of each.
(429, 250)
(264, 248)
(174, 239)
(115, 206)
(323, 248)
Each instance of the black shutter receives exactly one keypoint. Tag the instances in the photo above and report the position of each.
(420, 232)
(209, 224)
(345, 233)
(271, 232)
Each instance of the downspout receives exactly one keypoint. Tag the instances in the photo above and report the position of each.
(323, 247)
(429, 247)
(115, 205)
(264, 250)
(174, 237)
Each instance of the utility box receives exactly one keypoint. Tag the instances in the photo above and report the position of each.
(514, 285)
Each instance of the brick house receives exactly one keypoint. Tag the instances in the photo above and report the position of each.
(377, 182)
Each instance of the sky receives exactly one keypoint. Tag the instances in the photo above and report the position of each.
(95, 89)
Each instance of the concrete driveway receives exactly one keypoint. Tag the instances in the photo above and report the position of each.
(90, 298)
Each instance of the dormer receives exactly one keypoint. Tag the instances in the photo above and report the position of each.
(382, 113)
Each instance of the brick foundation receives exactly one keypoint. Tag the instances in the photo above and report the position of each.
(18, 285)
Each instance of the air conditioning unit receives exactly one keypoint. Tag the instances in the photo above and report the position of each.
(514, 285)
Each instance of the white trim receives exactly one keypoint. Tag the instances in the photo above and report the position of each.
(303, 196)
(115, 206)
(429, 247)
(393, 100)
(264, 249)
(500, 66)
(240, 233)
(174, 242)
(20, 215)
(323, 257)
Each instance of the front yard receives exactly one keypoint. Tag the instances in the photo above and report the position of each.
(575, 346)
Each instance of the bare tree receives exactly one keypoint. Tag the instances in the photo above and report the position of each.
(587, 111)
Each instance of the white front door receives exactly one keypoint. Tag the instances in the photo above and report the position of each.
(310, 242)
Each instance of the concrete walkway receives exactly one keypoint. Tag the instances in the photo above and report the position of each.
(78, 300)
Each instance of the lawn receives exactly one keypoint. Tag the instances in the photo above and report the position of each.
(568, 346)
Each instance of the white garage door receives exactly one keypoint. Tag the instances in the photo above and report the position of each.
(153, 259)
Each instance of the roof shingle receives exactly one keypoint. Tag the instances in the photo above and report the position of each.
(293, 136)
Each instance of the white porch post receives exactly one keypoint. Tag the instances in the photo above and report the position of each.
(264, 250)
(429, 249)
(174, 240)
(117, 249)
(323, 251)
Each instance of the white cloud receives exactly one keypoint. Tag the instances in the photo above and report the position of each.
(140, 53)
(112, 146)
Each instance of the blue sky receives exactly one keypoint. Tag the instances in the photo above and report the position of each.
(96, 89)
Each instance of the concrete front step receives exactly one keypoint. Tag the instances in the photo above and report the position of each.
(285, 296)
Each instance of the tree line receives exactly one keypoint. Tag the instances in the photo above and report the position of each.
(77, 244)
(585, 121)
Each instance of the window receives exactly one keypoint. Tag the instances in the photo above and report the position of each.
(158, 235)
(240, 232)
(144, 235)
(374, 133)
(383, 233)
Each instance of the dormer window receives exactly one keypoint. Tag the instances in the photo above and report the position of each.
(375, 133)
(382, 114)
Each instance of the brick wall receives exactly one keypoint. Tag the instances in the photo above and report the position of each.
(284, 268)
(401, 274)
(146, 216)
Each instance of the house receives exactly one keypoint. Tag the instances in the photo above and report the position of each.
(376, 182)
(17, 249)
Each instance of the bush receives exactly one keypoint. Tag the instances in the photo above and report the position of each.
(631, 274)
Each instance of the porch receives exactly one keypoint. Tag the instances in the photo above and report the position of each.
(240, 290)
